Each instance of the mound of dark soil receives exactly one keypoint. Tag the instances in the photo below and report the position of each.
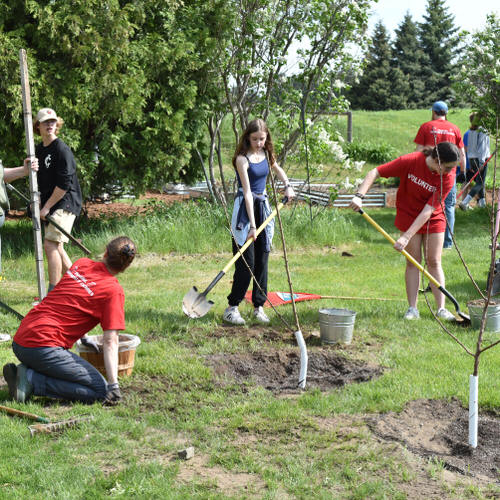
(278, 371)
(440, 429)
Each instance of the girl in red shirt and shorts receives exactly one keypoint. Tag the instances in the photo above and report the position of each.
(426, 177)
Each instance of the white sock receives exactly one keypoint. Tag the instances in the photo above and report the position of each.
(466, 200)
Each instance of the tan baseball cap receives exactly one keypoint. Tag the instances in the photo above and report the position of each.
(46, 114)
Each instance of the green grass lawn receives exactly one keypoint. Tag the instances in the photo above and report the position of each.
(312, 445)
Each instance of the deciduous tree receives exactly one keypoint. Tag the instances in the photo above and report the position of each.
(253, 62)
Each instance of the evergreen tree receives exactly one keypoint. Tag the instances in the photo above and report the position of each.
(408, 56)
(381, 86)
(439, 41)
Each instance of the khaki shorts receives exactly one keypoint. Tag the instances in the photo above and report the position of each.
(65, 220)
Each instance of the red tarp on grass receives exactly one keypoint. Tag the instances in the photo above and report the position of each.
(280, 298)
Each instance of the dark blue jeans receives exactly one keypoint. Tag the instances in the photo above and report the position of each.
(449, 210)
(2, 220)
(60, 373)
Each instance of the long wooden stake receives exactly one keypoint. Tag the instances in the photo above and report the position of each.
(35, 195)
(278, 216)
(298, 334)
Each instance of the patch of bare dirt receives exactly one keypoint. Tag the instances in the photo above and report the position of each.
(97, 210)
(228, 482)
(439, 429)
(278, 370)
(103, 209)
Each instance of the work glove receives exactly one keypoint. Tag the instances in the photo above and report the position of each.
(91, 343)
(113, 396)
(461, 178)
(356, 202)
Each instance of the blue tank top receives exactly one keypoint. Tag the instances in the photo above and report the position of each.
(257, 175)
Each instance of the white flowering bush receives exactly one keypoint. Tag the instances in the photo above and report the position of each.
(326, 157)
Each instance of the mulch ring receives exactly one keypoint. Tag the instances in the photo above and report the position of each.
(278, 370)
(439, 430)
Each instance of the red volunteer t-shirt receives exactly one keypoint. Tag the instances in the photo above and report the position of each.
(418, 186)
(86, 296)
(443, 130)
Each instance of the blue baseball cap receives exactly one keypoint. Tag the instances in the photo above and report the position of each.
(440, 107)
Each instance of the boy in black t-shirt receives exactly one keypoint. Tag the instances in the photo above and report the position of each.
(60, 192)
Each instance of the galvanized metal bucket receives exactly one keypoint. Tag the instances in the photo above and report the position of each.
(476, 308)
(336, 325)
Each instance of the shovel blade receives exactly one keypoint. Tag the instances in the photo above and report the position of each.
(195, 304)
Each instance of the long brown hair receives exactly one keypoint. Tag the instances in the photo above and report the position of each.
(257, 125)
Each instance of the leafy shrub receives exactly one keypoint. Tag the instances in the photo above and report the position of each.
(368, 151)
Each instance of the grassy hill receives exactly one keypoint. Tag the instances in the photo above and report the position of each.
(398, 128)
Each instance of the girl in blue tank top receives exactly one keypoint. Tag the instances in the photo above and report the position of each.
(253, 158)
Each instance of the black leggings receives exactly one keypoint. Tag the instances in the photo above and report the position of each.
(257, 259)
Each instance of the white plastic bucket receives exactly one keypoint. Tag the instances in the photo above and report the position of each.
(336, 325)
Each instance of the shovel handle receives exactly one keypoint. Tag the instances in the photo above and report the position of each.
(20, 413)
(418, 266)
(473, 177)
(12, 311)
(261, 228)
(51, 220)
(72, 238)
(404, 252)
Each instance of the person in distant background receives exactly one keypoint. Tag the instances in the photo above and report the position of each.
(430, 133)
(477, 148)
(8, 175)
(60, 193)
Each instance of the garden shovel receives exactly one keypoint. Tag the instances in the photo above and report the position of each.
(465, 317)
(195, 304)
(52, 221)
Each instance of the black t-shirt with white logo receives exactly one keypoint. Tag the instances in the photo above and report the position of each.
(57, 168)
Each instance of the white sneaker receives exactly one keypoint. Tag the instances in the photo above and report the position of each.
(443, 313)
(481, 203)
(260, 315)
(412, 313)
(232, 315)
(463, 206)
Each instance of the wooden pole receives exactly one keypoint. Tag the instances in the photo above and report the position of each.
(298, 333)
(35, 195)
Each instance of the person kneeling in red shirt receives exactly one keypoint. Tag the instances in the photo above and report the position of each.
(87, 295)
